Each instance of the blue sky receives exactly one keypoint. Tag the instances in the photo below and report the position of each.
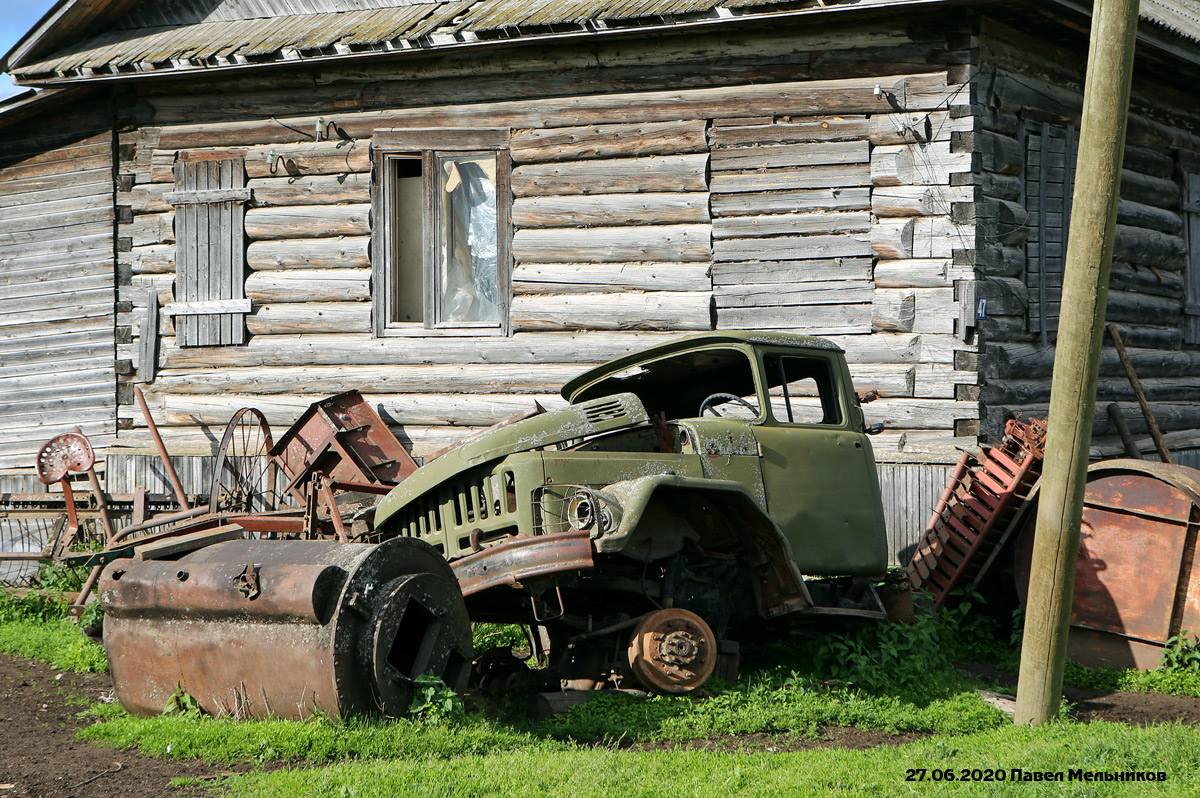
(17, 17)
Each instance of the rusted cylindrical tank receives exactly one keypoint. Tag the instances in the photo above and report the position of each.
(284, 628)
(1136, 582)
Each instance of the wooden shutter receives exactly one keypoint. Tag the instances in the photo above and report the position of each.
(210, 254)
(1191, 272)
(1050, 153)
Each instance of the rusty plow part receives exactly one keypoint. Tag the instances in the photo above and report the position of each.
(285, 629)
(672, 651)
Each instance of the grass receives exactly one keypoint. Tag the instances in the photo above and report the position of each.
(36, 627)
(528, 773)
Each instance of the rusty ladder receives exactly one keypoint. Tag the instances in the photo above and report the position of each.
(981, 498)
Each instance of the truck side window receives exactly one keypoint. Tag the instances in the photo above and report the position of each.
(802, 390)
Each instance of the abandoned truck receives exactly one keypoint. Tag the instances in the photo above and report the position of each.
(693, 495)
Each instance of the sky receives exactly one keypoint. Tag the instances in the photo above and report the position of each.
(16, 18)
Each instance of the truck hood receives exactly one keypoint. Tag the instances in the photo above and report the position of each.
(546, 429)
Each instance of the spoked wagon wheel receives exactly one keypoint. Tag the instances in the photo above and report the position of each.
(244, 475)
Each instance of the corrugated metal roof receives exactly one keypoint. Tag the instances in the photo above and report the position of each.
(1180, 16)
(164, 35)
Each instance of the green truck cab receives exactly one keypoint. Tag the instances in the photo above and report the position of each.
(692, 495)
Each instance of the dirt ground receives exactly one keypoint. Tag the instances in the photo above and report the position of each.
(40, 757)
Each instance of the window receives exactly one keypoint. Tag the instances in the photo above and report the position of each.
(210, 252)
(441, 232)
(1050, 152)
(802, 390)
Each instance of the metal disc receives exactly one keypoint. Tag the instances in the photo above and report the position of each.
(672, 651)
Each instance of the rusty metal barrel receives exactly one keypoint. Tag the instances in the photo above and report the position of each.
(1137, 582)
(286, 629)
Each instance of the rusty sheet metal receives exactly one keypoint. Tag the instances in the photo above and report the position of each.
(285, 628)
(1136, 580)
(523, 558)
(345, 439)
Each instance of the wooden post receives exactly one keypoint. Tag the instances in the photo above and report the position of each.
(1077, 361)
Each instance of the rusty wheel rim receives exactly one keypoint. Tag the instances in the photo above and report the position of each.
(244, 474)
(672, 651)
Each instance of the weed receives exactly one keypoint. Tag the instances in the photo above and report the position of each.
(434, 700)
(1181, 654)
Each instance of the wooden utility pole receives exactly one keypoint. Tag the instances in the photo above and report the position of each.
(1077, 358)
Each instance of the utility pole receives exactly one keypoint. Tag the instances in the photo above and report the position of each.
(1077, 358)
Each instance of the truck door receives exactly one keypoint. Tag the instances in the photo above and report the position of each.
(818, 468)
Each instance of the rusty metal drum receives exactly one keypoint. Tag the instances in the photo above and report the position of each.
(1136, 582)
(285, 628)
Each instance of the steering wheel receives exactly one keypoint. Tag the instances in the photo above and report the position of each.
(708, 403)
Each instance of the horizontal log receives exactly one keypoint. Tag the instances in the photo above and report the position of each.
(311, 190)
(920, 310)
(293, 160)
(1135, 214)
(918, 200)
(206, 307)
(53, 279)
(150, 228)
(916, 128)
(920, 237)
(775, 156)
(552, 278)
(343, 252)
(1146, 280)
(924, 273)
(1028, 361)
(310, 317)
(150, 259)
(318, 221)
(835, 292)
(1169, 415)
(850, 245)
(795, 271)
(675, 243)
(580, 348)
(17, 191)
(607, 141)
(1116, 389)
(791, 224)
(1155, 191)
(659, 310)
(795, 131)
(309, 285)
(1006, 296)
(921, 92)
(809, 319)
(669, 173)
(373, 379)
(810, 199)
(919, 413)
(792, 177)
(593, 210)
(588, 348)
(176, 410)
(421, 441)
(917, 165)
(1149, 247)
(996, 153)
(147, 197)
(999, 261)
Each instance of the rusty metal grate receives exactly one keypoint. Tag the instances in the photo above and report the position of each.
(981, 499)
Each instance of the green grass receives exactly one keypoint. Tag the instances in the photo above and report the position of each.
(580, 773)
(36, 627)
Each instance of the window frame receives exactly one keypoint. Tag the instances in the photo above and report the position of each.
(388, 146)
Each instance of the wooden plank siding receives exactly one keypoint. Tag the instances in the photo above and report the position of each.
(57, 292)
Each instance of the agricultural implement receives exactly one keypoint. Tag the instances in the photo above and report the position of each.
(641, 533)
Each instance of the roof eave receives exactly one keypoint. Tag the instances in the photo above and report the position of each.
(65, 19)
(456, 48)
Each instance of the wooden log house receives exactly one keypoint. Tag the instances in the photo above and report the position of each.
(250, 202)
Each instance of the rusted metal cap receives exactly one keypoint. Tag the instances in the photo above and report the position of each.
(70, 452)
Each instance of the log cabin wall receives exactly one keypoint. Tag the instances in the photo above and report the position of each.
(804, 180)
(57, 319)
(1028, 94)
